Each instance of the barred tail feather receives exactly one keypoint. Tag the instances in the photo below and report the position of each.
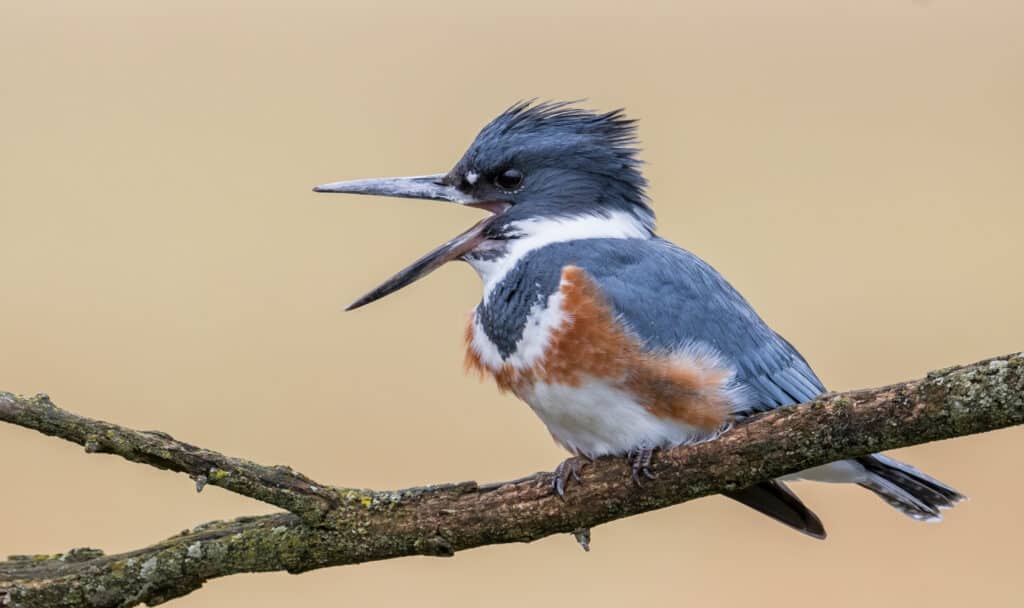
(905, 488)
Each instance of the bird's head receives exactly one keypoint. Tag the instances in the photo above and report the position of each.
(535, 168)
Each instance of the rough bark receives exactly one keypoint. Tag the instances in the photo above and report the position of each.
(330, 526)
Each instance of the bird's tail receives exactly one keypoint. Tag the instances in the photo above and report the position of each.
(915, 494)
(774, 499)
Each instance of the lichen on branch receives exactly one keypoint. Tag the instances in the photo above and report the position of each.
(329, 526)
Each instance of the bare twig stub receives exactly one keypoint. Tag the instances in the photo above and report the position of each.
(330, 526)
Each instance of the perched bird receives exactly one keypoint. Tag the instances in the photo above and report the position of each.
(620, 341)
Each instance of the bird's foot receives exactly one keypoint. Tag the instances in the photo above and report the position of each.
(568, 469)
(639, 460)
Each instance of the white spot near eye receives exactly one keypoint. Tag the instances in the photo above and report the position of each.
(471, 177)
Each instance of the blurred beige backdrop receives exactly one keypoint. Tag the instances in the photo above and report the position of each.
(855, 168)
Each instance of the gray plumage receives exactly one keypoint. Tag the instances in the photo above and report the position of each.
(575, 161)
(671, 299)
(551, 164)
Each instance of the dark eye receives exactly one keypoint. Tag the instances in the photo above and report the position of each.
(509, 179)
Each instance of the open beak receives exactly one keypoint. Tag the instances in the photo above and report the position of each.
(430, 187)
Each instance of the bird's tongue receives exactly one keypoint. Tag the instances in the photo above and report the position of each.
(453, 249)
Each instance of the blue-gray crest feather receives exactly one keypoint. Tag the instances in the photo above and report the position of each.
(575, 160)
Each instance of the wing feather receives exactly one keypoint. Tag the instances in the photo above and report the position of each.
(671, 300)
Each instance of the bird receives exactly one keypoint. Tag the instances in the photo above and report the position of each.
(620, 341)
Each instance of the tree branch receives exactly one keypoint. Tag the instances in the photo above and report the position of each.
(333, 526)
(279, 485)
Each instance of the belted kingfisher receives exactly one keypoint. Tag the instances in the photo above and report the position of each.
(620, 341)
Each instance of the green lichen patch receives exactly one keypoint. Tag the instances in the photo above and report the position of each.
(82, 554)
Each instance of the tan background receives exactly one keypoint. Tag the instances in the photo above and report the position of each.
(855, 168)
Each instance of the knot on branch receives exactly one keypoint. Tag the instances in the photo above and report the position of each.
(434, 546)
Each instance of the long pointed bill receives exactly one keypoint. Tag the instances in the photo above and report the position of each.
(430, 187)
(452, 250)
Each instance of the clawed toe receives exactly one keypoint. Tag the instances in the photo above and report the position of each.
(568, 469)
(639, 460)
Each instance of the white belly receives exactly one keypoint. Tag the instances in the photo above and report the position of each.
(596, 419)
(842, 471)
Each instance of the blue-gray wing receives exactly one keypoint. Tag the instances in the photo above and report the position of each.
(671, 298)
